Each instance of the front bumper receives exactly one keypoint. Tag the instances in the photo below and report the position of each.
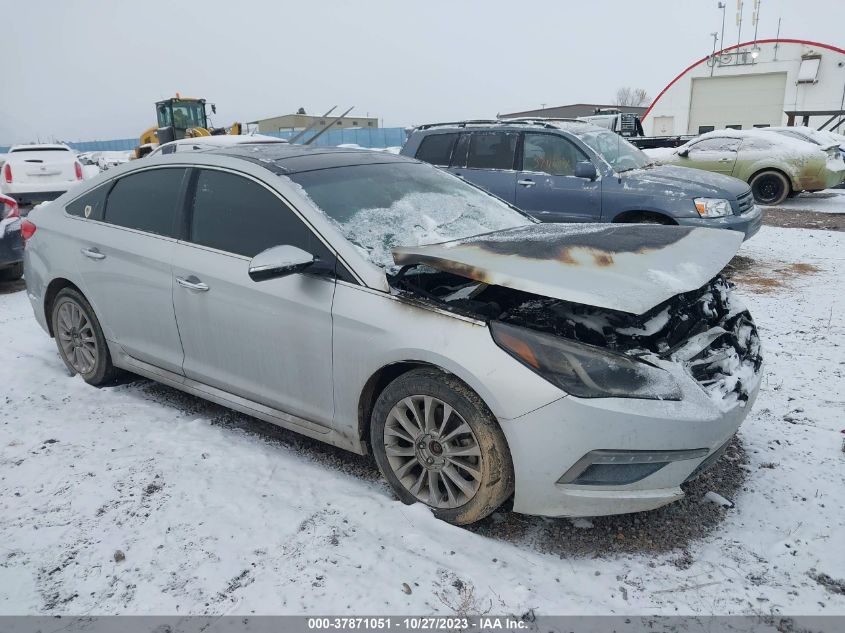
(547, 443)
(748, 223)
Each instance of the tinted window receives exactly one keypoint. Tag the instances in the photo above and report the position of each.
(91, 204)
(437, 148)
(550, 154)
(146, 201)
(237, 215)
(492, 150)
(459, 154)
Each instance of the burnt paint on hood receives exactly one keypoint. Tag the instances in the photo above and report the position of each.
(625, 267)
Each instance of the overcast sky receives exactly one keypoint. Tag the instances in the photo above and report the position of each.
(92, 69)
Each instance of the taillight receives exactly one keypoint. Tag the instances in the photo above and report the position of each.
(9, 209)
(7, 172)
(78, 169)
(27, 229)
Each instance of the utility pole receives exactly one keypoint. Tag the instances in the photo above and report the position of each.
(715, 36)
(739, 6)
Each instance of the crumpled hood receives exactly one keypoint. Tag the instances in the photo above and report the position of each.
(625, 267)
(691, 182)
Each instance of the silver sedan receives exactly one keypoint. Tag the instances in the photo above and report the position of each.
(376, 303)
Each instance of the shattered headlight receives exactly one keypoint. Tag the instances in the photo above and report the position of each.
(712, 207)
(584, 371)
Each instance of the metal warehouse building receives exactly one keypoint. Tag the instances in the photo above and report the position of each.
(755, 84)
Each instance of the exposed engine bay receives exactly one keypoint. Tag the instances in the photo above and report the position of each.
(708, 330)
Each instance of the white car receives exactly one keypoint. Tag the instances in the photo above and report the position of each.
(34, 173)
(207, 142)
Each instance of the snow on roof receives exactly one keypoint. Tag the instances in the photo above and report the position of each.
(784, 142)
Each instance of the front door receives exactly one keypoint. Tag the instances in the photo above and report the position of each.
(123, 255)
(268, 341)
(547, 187)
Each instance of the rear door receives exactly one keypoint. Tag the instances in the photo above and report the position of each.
(487, 159)
(124, 244)
(43, 166)
(547, 187)
(268, 341)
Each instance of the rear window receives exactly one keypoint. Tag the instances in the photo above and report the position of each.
(437, 149)
(492, 150)
(146, 201)
(90, 205)
(39, 149)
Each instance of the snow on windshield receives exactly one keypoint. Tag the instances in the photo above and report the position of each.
(379, 207)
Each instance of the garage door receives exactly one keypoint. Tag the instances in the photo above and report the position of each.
(741, 100)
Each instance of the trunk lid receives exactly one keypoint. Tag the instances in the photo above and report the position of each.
(42, 166)
(626, 267)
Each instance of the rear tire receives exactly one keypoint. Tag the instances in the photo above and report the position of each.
(455, 460)
(80, 338)
(770, 187)
(12, 274)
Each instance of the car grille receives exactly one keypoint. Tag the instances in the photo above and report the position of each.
(745, 203)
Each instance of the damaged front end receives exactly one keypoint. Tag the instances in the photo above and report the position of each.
(706, 334)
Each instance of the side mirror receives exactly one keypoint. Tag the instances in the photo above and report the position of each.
(683, 152)
(585, 169)
(213, 109)
(279, 261)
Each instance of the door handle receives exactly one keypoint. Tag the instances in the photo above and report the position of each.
(526, 183)
(724, 160)
(192, 283)
(92, 253)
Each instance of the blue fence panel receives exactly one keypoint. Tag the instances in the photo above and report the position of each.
(378, 137)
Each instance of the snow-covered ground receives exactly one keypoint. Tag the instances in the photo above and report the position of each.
(211, 517)
(827, 201)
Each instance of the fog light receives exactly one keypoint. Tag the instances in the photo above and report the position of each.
(617, 468)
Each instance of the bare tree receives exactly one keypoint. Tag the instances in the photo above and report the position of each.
(627, 96)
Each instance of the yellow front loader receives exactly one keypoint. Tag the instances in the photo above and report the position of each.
(180, 117)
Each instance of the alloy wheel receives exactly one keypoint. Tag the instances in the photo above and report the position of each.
(432, 451)
(76, 337)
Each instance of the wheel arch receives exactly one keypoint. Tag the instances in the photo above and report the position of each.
(53, 288)
(386, 374)
(777, 170)
(637, 215)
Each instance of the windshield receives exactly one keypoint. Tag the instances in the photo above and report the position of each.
(382, 206)
(615, 150)
(182, 114)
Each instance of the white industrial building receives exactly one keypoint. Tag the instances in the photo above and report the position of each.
(755, 84)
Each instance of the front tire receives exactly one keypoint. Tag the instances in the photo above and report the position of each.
(437, 443)
(80, 339)
(770, 187)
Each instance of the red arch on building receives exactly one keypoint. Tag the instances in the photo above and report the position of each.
(729, 48)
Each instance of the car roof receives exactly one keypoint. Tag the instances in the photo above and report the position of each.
(283, 159)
